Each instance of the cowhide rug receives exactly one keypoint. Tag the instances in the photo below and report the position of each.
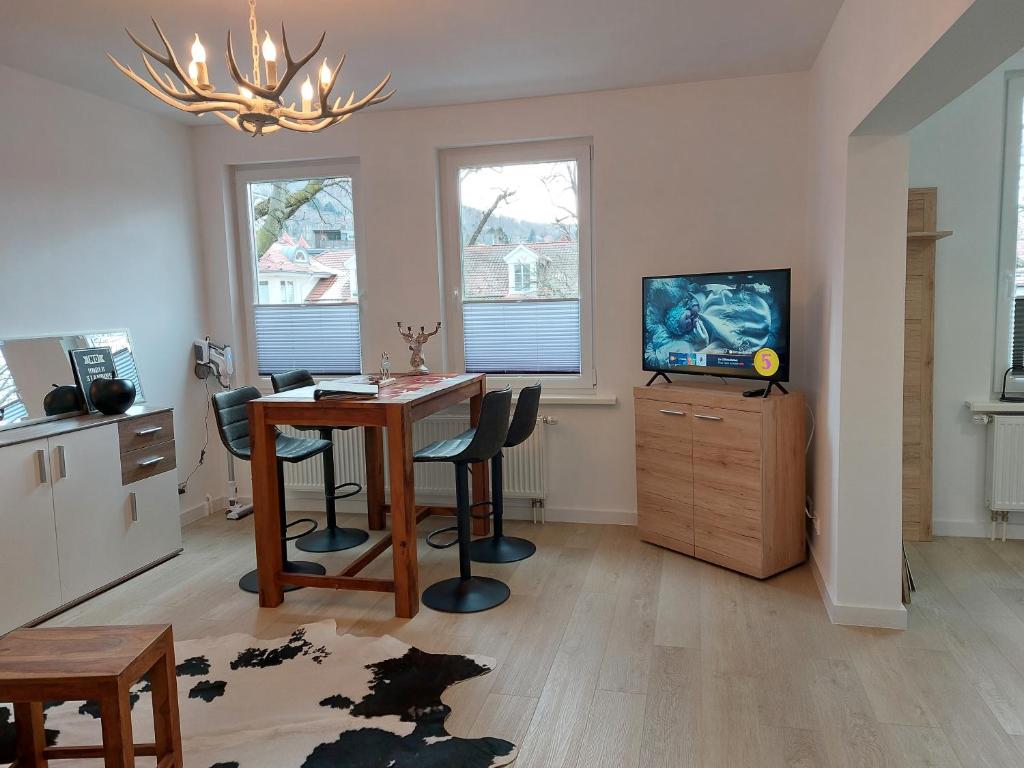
(313, 700)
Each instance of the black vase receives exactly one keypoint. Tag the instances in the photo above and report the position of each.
(112, 396)
(63, 399)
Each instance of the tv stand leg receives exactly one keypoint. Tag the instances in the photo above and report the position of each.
(654, 378)
(768, 389)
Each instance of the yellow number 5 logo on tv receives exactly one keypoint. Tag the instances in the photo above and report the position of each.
(766, 362)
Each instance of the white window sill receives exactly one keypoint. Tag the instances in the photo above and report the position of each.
(995, 406)
(596, 398)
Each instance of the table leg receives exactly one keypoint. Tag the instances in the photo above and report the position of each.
(481, 527)
(116, 720)
(29, 735)
(373, 438)
(166, 725)
(266, 510)
(403, 513)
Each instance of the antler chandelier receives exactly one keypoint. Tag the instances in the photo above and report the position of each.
(257, 108)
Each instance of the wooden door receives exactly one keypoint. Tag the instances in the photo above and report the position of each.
(28, 544)
(664, 478)
(727, 491)
(918, 363)
(91, 509)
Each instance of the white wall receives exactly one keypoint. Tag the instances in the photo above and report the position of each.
(960, 151)
(884, 68)
(97, 212)
(694, 177)
(872, 45)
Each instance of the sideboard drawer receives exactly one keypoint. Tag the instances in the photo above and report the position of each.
(144, 431)
(147, 462)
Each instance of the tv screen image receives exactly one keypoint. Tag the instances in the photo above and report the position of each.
(721, 324)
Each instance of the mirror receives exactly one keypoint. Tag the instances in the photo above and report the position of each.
(29, 367)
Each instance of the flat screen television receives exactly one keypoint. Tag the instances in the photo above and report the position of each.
(733, 324)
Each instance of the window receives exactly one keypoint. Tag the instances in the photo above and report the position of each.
(517, 264)
(1010, 303)
(301, 284)
(524, 278)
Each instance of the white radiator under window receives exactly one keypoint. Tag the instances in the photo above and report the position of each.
(524, 466)
(1006, 464)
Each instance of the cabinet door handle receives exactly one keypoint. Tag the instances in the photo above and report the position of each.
(134, 502)
(148, 431)
(41, 463)
(149, 462)
(62, 463)
(707, 418)
(671, 413)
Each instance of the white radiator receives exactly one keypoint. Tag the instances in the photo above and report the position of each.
(1005, 468)
(525, 466)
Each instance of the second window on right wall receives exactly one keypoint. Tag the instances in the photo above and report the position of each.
(1010, 304)
(517, 262)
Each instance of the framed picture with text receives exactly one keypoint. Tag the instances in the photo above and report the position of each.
(91, 364)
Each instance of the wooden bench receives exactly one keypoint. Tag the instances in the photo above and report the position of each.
(91, 664)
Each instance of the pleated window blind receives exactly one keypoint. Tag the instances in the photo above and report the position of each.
(322, 338)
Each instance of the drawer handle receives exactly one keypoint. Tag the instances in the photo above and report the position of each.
(134, 501)
(41, 462)
(707, 418)
(148, 431)
(671, 413)
(150, 461)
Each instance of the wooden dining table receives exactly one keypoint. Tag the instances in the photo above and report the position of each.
(396, 408)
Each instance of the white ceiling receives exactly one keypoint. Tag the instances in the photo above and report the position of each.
(440, 51)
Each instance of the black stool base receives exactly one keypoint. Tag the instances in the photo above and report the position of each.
(331, 540)
(504, 549)
(251, 581)
(477, 593)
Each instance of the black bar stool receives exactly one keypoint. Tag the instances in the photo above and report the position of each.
(332, 538)
(499, 548)
(468, 593)
(233, 426)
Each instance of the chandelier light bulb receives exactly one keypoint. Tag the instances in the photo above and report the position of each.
(307, 95)
(269, 49)
(245, 92)
(325, 74)
(193, 71)
(198, 52)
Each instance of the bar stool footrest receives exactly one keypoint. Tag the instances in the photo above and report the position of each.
(438, 532)
(300, 521)
(346, 494)
(481, 516)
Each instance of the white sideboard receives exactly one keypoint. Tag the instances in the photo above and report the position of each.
(85, 503)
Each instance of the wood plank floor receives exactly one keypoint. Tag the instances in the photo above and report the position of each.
(612, 652)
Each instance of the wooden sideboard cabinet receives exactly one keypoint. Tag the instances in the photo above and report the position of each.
(86, 502)
(720, 476)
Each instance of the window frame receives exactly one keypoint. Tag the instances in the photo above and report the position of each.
(242, 176)
(450, 162)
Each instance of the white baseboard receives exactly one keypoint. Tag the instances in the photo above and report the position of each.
(203, 509)
(978, 529)
(857, 615)
(515, 509)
